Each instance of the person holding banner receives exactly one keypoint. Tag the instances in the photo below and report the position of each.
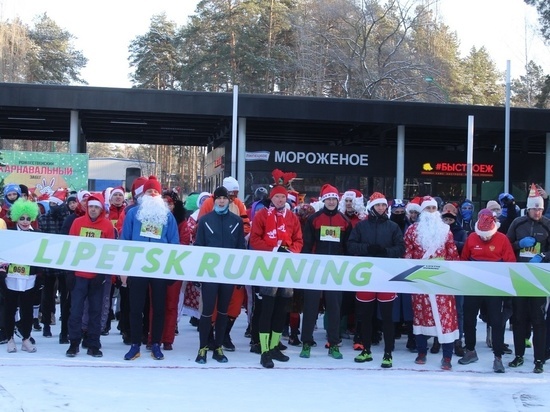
(378, 237)
(325, 232)
(530, 238)
(151, 221)
(434, 315)
(488, 245)
(275, 229)
(219, 228)
(19, 282)
(88, 286)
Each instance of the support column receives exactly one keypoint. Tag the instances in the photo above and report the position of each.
(400, 171)
(241, 157)
(547, 163)
(76, 143)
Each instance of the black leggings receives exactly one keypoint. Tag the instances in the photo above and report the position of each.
(139, 288)
(214, 295)
(273, 314)
(365, 315)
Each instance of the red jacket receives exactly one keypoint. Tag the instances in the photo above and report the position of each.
(498, 249)
(259, 239)
(84, 226)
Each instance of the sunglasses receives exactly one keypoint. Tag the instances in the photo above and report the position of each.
(22, 219)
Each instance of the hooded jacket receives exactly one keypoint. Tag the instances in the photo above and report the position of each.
(85, 226)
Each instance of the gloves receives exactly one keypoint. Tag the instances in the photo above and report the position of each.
(527, 242)
(536, 259)
(98, 280)
(375, 250)
(197, 284)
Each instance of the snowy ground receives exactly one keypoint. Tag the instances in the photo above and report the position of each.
(47, 380)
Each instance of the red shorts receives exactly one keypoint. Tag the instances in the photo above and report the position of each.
(370, 296)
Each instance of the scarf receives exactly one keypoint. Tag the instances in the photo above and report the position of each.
(275, 228)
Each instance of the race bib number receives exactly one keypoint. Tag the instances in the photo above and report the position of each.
(330, 233)
(150, 230)
(529, 252)
(18, 270)
(89, 232)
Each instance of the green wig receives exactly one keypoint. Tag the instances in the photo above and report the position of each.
(23, 207)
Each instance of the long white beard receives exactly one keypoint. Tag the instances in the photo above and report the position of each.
(153, 210)
(432, 231)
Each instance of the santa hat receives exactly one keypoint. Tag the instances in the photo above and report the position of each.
(427, 201)
(82, 194)
(353, 194)
(152, 183)
(328, 192)
(118, 189)
(487, 224)
(54, 199)
(293, 196)
(376, 198)
(96, 200)
(137, 186)
(231, 184)
(200, 199)
(534, 201)
(278, 190)
(414, 205)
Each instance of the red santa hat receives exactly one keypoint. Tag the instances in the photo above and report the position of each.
(428, 201)
(376, 198)
(328, 192)
(137, 186)
(82, 194)
(293, 196)
(487, 224)
(414, 205)
(534, 201)
(118, 189)
(278, 189)
(152, 183)
(353, 194)
(96, 200)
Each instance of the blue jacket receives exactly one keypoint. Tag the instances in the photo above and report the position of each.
(132, 227)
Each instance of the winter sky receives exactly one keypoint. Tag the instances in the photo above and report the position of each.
(105, 28)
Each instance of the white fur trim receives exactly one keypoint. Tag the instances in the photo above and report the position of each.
(94, 202)
(488, 233)
(329, 195)
(117, 190)
(427, 203)
(415, 207)
(379, 201)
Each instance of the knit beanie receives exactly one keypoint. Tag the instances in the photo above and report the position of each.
(278, 189)
(221, 191)
(534, 201)
(494, 206)
(152, 183)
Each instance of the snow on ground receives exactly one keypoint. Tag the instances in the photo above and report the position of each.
(47, 380)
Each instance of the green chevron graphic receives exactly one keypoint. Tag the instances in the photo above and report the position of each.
(543, 276)
(523, 287)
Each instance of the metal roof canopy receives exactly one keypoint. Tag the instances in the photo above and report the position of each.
(142, 116)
